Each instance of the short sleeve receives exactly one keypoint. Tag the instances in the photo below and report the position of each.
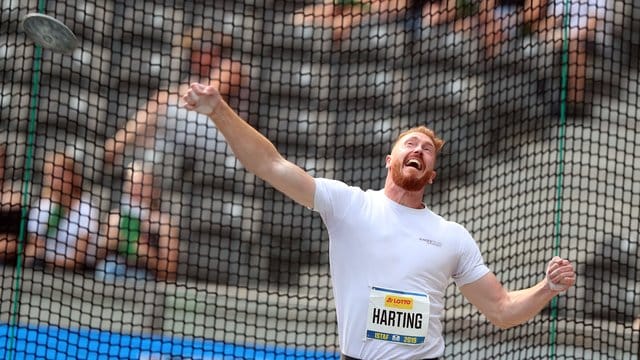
(471, 266)
(333, 199)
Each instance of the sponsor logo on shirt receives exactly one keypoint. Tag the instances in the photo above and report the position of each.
(431, 242)
(398, 302)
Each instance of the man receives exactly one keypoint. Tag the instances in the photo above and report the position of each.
(391, 257)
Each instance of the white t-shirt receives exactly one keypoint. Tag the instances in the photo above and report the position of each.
(63, 227)
(376, 242)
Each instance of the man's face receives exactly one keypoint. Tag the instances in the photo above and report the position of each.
(412, 161)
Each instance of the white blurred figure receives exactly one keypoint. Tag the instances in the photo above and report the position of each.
(63, 223)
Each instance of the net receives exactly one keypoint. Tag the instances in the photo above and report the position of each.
(130, 230)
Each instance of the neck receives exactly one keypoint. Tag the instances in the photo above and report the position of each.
(412, 199)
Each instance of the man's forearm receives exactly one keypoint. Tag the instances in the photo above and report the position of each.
(254, 150)
(526, 304)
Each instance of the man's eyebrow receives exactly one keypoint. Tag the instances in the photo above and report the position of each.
(416, 137)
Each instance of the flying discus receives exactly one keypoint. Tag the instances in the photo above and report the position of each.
(49, 33)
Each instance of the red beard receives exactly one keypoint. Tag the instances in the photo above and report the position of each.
(409, 183)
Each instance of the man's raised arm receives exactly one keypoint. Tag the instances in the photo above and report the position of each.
(256, 153)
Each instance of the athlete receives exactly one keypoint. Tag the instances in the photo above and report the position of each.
(391, 257)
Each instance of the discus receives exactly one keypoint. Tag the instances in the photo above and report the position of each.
(49, 33)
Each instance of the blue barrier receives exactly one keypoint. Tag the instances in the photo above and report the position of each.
(50, 342)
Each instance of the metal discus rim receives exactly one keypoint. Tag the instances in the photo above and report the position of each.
(49, 32)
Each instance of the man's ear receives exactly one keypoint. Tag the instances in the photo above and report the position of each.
(432, 176)
(387, 161)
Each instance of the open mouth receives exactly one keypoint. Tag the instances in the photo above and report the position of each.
(414, 163)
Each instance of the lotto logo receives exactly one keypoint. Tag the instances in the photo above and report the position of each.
(398, 302)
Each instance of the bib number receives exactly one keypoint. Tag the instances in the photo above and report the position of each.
(398, 316)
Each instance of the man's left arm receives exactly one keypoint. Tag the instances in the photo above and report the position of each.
(506, 309)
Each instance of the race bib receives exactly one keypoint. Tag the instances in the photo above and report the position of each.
(398, 316)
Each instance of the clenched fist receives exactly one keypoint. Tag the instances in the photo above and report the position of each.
(560, 274)
(202, 98)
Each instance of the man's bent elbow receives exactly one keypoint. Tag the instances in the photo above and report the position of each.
(503, 322)
(503, 325)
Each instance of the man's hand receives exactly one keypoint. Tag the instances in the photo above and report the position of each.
(201, 98)
(560, 274)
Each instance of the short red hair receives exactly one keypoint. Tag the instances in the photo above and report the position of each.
(439, 143)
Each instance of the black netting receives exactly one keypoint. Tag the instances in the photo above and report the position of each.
(130, 230)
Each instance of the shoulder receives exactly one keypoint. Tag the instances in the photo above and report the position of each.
(449, 224)
(335, 197)
(335, 188)
(330, 183)
(454, 229)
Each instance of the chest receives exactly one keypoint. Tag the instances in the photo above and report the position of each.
(410, 250)
(414, 249)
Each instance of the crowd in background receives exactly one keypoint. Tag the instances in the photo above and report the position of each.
(498, 20)
(66, 229)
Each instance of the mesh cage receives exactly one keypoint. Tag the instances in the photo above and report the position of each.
(130, 230)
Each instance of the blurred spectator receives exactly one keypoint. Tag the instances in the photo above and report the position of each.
(162, 129)
(63, 223)
(10, 213)
(138, 231)
(339, 16)
(445, 11)
(586, 19)
(342, 16)
(148, 128)
(506, 19)
(544, 19)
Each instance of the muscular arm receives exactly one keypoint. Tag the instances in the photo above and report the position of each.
(256, 153)
(506, 309)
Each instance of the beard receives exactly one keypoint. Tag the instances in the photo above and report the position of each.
(409, 183)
